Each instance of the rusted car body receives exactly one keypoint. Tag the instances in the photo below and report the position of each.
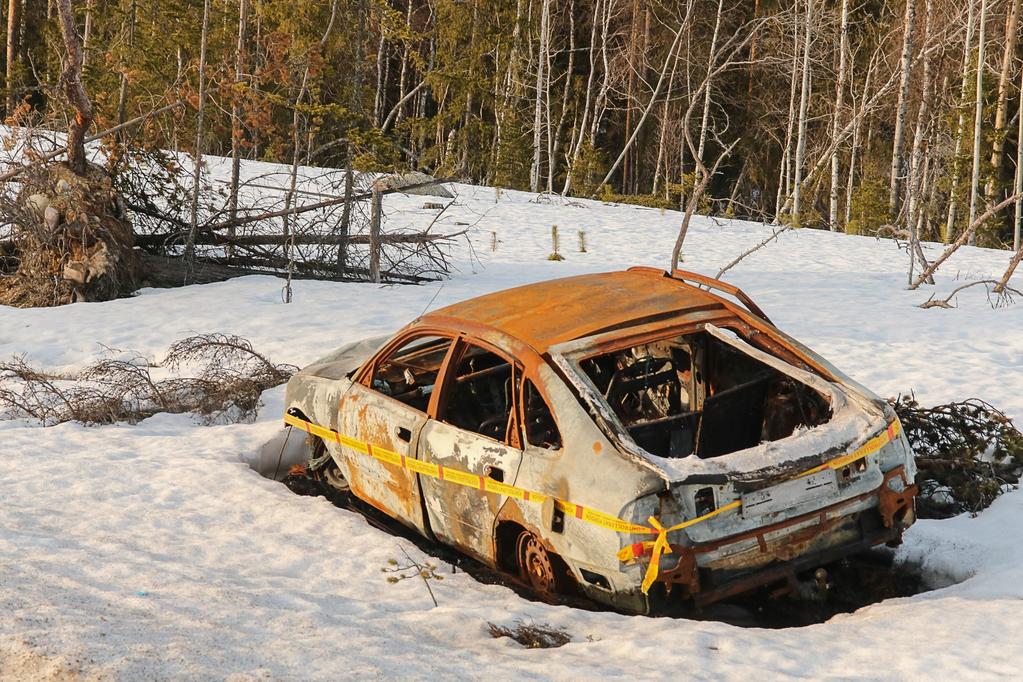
(638, 393)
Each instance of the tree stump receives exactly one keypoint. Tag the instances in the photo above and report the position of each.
(73, 240)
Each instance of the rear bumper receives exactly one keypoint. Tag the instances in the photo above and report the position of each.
(712, 571)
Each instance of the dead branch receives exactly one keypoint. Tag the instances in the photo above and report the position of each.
(1013, 264)
(947, 302)
(229, 379)
(268, 215)
(17, 170)
(963, 238)
(151, 240)
(774, 235)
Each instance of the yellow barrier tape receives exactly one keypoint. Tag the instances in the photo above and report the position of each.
(657, 547)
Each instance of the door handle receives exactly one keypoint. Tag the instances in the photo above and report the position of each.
(495, 473)
(403, 434)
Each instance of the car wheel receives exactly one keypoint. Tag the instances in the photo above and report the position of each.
(535, 564)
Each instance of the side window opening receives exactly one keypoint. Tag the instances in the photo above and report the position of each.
(694, 394)
(480, 395)
(540, 427)
(409, 374)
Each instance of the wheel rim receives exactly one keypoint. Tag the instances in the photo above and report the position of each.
(535, 564)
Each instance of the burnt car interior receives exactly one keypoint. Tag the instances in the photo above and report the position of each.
(480, 396)
(695, 394)
(410, 372)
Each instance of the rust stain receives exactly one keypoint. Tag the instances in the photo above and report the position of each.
(547, 313)
(895, 505)
(396, 480)
(596, 447)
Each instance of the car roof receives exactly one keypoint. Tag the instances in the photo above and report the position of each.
(560, 310)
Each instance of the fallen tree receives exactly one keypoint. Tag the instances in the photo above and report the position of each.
(72, 240)
(967, 454)
(218, 377)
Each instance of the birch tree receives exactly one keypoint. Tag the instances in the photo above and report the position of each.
(915, 184)
(543, 62)
(1002, 107)
(953, 202)
(902, 107)
(843, 48)
(13, 30)
(804, 101)
(197, 157)
(1018, 222)
(978, 116)
(784, 172)
(237, 130)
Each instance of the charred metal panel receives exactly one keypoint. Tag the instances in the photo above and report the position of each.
(587, 470)
(459, 515)
(545, 329)
(373, 418)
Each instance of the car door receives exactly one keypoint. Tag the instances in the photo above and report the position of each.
(387, 409)
(475, 431)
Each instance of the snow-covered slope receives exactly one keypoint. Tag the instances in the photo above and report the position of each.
(154, 551)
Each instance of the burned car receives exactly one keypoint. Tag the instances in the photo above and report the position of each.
(639, 436)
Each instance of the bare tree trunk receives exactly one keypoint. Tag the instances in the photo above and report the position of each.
(843, 47)
(915, 185)
(1001, 109)
(953, 195)
(978, 118)
(346, 214)
(403, 74)
(784, 177)
(630, 95)
(694, 199)
(804, 101)
(13, 24)
(71, 81)
(854, 150)
(510, 83)
(661, 165)
(298, 124)
(600, 103)
(237, 130)
(555, 140)
(542, 90)
(1016, 237)
(577, 143)
(650, 105)
(122, 95)
(711, 59)
(87, 31)
(376, 217)
(199, 123)
(901, 108)
(381, 98)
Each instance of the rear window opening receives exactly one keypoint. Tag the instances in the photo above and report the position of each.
(697, 395)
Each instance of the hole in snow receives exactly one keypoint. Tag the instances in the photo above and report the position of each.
(816, 596)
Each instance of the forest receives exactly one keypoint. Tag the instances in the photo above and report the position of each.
(863, 116)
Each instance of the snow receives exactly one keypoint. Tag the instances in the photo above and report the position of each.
(154, 551)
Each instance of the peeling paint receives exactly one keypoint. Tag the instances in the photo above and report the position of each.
(544, 329)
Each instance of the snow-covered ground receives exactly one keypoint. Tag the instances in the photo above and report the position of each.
(154, 551)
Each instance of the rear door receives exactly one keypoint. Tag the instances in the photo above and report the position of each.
(476, 431)
(387, 409)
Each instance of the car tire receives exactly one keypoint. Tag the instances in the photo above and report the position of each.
(536, 564)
